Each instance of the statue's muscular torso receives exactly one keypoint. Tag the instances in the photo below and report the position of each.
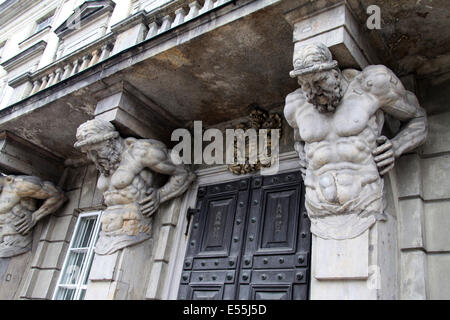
(131, 179)
(126, 186)
(338, 145)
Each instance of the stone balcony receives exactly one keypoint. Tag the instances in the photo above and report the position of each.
(136, 28)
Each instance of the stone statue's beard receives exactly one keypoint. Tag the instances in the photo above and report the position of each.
(108, 166)
(326, 101)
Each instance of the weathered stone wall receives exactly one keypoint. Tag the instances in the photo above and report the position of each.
(423, 185)
(38, 271)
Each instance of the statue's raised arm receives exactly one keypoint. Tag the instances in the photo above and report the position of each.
(20, 210)
(382, 84)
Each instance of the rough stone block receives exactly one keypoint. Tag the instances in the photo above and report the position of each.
(340, 290)
(60, 229)
(409, 180)
(99, 290)
(438, 139)
(50, 256)
(114, 276)
(413, 275)
(411, 223)
(157, 278)
(170, 211)
(45, 283)
(12, 271)
(103, 267)
(436, 177)
(383, 256)
(163, 245)
(341, 259)
(437, 226)
(438, 276)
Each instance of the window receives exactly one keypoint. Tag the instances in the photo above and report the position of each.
(44, 22)
(72, 282)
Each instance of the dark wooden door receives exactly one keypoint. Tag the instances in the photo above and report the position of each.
(250, 240)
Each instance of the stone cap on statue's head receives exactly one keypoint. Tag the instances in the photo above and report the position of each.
(95, 131)
(311, 58)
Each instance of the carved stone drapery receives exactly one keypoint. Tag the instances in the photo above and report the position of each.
(338, 118)
(127, 180)
(19, 210)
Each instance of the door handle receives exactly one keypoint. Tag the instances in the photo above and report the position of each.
(190, 212)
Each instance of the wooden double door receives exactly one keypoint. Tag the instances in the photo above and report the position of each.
(249, 240)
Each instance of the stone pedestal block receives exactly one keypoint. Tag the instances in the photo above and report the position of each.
(360, 268)
(122, 275)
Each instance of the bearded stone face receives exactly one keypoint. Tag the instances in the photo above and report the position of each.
(105, 155)
(322, 89)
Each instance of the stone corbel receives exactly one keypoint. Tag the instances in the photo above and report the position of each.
(337, 28)
(18, 156)
(134, 114)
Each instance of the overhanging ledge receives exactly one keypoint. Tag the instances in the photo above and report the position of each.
(204, 84)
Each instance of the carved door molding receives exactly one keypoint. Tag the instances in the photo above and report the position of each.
(249, 240)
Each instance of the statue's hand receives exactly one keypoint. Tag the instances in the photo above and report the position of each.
(25, 224)
(150, 203)
(384, 155)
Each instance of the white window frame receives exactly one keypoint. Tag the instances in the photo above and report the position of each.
(48, 18)
(79, 287)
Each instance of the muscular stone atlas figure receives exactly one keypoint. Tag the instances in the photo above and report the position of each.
(19, 210)
(127, 168)
(337, 118)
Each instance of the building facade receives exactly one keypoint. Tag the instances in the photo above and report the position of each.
(93, 95)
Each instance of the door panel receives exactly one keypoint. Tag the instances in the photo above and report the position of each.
(215, 243)
(278, 220)
(250, 241)
(219, 222)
